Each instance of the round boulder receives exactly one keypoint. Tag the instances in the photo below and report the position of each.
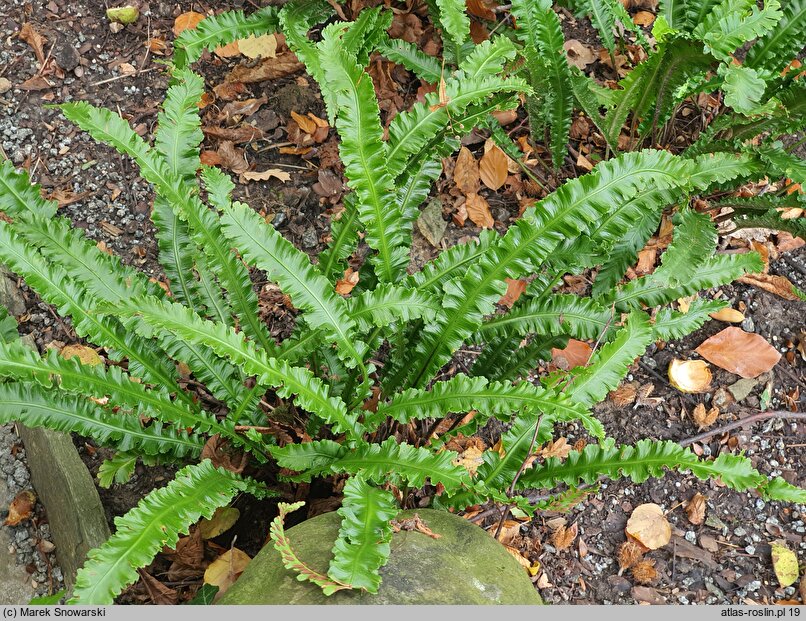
(464, 566)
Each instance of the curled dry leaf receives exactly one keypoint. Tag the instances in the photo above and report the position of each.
(223, 571)
(695, 509)
(348, 283)
(643, 18)
(779, 285)
(21, 508)
(743, 353)
(282, 65)
(625, 394)
(703, 418)
(785, 563)
(265, 175)
(493, 167)
(478, 210)
(470, 459)
(563, 537)
(187, 21)
(649, 526)
(728, 315)
(558, 448)
(29, 34)
(689, 375)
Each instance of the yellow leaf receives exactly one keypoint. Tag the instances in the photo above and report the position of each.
(224, 571)
(728, 315)
(187, 21)
(264, 46)
(265, 175)
(785, 564)
(470, 459)
(223, 519)
(84, 354)
(649, 527)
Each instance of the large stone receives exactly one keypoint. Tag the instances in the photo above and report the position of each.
(464, 566)
(10, 295)
(15, 582)
(66, 489)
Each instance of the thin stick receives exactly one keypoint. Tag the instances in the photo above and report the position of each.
(749, 420)
(127, 75)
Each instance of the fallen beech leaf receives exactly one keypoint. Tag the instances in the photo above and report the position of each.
(29, 34)
(785, 563)
(493, 168)
(187, 21)
(558, 448)
(210, 158)
(282, 65)
(264, 46)
(21, 508)
(743, 353)
(84, 354)
(625, 394)
(728, 315)
(245, 107)
(470, 459)
(579, 54)
(160, 594)
(563, 537)
(232, 158)
(229, 90)
(229, 50)
(244, 133)
(480, 9)
(223, 519)
(702, 418)
(695, 509)
(643, 18)
(689, 375)
(576, 354)
(305, 124)
(779, 285)
(348, 283)
(519, 557)
(649, 527)
(265, 175)
(223, 571)
(36, 83)
(514, 290)
(478, 210)
(466, 173)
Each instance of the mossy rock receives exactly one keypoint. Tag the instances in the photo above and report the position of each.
(464, 566)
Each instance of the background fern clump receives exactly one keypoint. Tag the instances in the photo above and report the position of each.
(359, 369)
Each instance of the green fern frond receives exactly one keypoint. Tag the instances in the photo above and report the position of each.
(389, 303)
(426, 68)
(157, 521)
(454, 20)
(8, 327)
(731, 23)
(365, 33)
(772, 220)
(743, 87)
(783, 163)
(36, 406)
(117, 469)
(783, 43)
(603, 19)
(671, 324)
(18, 195)
(693, 242)
(221, 30)
(362, 546)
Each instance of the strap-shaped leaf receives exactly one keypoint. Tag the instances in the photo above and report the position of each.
(743, 88)
(731, 23)
(308, 457)
(362, 546)
(389, 303)
(427, 68)
(156, 522)
(311, 393)
(454, 20)
(540, 29)
(671, 324)
(221, 30)
(18, 195)
(111, 129)
(8, 327)
(772, 220)
(603, 19)
(263, 246)
(36, 406)
(693, 242)
(782, 44)
(645, 459)
(580, 317)
(609, 365)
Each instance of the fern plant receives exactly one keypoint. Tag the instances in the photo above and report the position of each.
(357, 368)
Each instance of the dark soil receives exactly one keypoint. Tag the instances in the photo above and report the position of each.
(114, 210)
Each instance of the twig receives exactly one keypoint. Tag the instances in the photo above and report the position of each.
(749, 420)
(125, 75)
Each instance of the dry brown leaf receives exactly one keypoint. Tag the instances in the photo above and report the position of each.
(470, 459)
(306, 124)
(695, 509)
(514, 290)
(493, 167)
(644, 572)
(282, 65)
(563, 537)
(264, 46)
(67, 197)
(703, 418)
(265, 175)
(232, 158)
(516, 554)
(728, 315)
(245, 107)
(690, 376)
(187, 21)
(243, 133)
(629, 554)
(466, 172)
(348, 283)
(229, 50)
(743, 353)
(779, 285)
(478, 210)
(649, 527)
(29, 34)
(223, 519)
(558, 448)
(579, 54)
(576, 354)
(223, 571)
(646, 260)
(229, 90)
(36, 83)
(210, 158)
(21, 508)
(480, 9)
(625, 394)
(84, 354)
(643, 18)
(584, 163)
(160, 594)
